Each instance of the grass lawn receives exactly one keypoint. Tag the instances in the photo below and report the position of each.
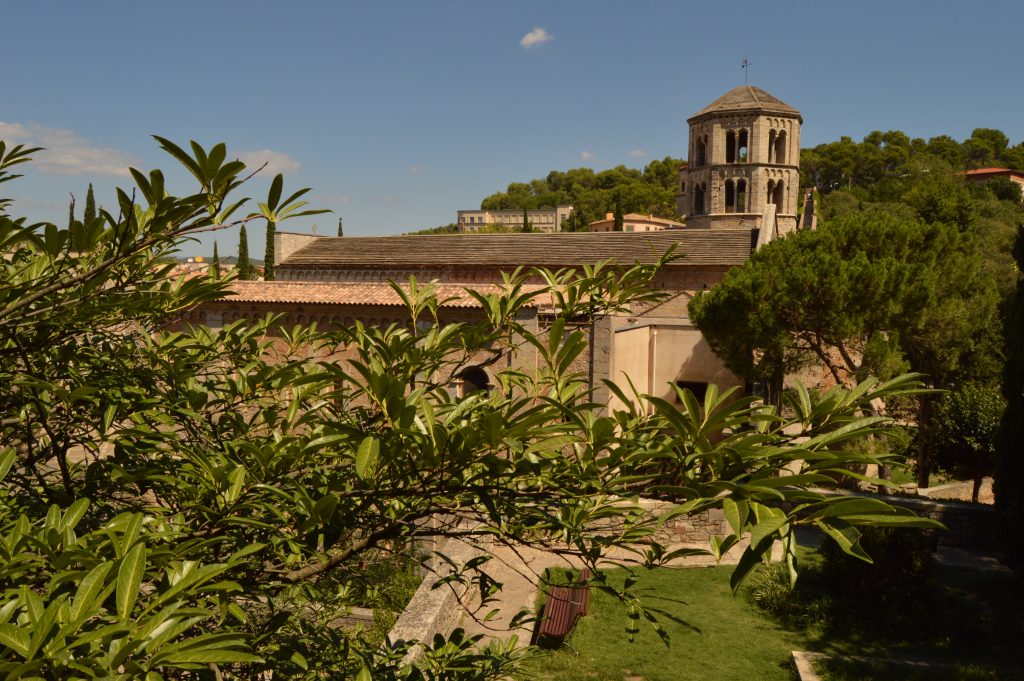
(733, 640)
(970, 626)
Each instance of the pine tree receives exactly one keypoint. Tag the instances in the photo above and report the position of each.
(244, 267)
(1009, 475)
(90, 207)
(527, 227)
(215, 263)
(268, 259)
(71, 211)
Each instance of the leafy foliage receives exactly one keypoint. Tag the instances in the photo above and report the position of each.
(177, 499)
(879, 161)
(887, 293)
(963, 432)
(889, 591)
(1009, 478)
(651, 190)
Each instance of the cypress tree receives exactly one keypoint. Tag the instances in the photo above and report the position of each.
(341, 232)
(90, 207)
(1009, 474)
(215, 264)
(619, 218)
(527, 227)
(268, 259)
(71, 211)
(244, 267)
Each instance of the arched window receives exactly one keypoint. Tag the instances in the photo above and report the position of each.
(730, 147)
(741, 196)
(778, 196)
(730, 197)
(771, 147)
(780, 148)
(700, 152)
(473, 379)
(698, 199)
(741, 146)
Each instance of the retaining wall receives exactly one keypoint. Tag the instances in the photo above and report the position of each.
(971, 526)
(434, 611)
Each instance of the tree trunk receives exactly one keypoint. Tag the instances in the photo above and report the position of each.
(976, 492)
(924, 460)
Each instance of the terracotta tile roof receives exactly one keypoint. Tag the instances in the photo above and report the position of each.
(701, 247)
(747, 98)
(355, 293)
(994, 171)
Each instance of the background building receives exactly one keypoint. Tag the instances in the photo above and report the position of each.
(541, 219)
(744, 158)
(635, 222)
(986, 174)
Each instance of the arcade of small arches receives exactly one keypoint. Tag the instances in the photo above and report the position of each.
(736, 145)
(737, 196)
(777, 146)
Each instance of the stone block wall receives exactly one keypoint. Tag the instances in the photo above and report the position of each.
(434, 611)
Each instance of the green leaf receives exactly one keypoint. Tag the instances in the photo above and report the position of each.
(74, 514)
(237, 479)
(736, 514)
(845, 535)
(6, 461)
(366, 457)
(364, 675)
(14, 638)
(129, 578)
(275, 192)
(88, 589)
(766, 528)
(748, 561)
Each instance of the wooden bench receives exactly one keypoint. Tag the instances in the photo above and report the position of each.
(565, 605)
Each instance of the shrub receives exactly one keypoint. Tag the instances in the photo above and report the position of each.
(772, 592)
(890, 588)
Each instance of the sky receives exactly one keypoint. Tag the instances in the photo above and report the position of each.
(398, 114)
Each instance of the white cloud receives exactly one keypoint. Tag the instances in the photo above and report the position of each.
(277, 162)
(417, 169)
(339, 199)
(637, 153)
(66, 152)
(535, 37)
(586, 156)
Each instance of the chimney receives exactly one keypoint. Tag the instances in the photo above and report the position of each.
(609, 216)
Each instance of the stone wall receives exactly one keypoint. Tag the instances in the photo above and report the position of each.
(286, 243)
(696, 528)
(434, 611)
(971, 526)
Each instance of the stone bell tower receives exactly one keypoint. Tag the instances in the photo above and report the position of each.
(744, 163)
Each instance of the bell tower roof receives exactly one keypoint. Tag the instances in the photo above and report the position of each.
(747, 98)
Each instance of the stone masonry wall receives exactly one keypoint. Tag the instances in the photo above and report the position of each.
(434, 611)
(969, 525)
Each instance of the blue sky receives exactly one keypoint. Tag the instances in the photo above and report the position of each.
(398, 114)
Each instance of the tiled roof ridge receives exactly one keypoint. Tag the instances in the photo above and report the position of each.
(379, 294)
(701, 247)
(747, 97)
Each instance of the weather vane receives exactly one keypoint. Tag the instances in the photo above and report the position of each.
(745, 65)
